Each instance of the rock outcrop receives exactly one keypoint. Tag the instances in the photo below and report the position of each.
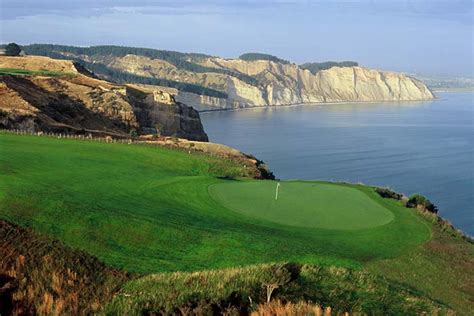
(72, 102)
(276, 83)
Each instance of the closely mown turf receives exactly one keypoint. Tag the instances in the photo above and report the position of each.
(303, 204)
(148, 209)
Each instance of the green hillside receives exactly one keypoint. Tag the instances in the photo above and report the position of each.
(148, 209)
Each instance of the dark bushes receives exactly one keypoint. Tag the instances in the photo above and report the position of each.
(315, 67)
(386, 193)
(419, 201)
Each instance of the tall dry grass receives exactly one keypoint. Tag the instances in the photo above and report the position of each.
(49, 278)
(278, 308)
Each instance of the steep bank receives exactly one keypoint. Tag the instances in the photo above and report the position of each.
(207, 82)
(44, 94)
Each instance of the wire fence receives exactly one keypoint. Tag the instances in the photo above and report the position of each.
(86, 137)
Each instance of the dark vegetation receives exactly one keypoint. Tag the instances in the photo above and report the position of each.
(415, 201)
(260, 56)
(115, 75)
(427, 209)
(12, 49)
(241, 290)
(123, 77)
(315, 67)
(388, 194)
(39, 275)
(419, 201)
(184, 61)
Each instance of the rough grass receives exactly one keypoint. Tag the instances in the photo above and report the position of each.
(232, 290)
(303, 204)
(441, 268)
(279, 308)
(148, 209)
(25, 72)
(48, 278)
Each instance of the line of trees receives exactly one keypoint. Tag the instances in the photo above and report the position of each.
(260, 56)
(184, 61)
(315, 67)
(115, 75)
(125, 77)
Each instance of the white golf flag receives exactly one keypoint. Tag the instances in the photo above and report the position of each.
(276, 191)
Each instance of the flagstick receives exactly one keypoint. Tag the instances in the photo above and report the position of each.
(276, 192)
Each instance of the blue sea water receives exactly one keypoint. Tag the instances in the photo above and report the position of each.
(412, 147)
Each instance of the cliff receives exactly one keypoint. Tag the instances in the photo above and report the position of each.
(207, 82)
(44, 94)
(285, 84)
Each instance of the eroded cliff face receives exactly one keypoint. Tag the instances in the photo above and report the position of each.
(275, 83)
(76, 103)
(283, 84)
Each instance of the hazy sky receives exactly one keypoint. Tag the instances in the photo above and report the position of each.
(420, 36)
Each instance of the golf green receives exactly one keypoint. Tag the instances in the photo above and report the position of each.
(302, 204)
(148, 209)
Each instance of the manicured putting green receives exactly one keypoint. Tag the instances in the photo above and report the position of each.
(302, 204)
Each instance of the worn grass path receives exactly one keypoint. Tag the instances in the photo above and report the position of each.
(148, 209)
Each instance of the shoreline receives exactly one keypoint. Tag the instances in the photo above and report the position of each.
(313, 104)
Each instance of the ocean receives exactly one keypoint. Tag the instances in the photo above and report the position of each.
(411, 147)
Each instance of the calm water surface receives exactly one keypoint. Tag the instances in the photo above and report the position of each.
(425, 147)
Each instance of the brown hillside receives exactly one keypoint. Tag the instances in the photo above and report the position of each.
(72, 102)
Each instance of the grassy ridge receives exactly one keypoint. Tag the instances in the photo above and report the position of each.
(148, 210)
(232, 290)
(24, 72)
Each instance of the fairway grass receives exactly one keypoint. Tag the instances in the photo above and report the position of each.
(148, 209)
(303, 204)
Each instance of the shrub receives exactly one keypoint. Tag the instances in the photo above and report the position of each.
(419, 201)
(133, 133)
(386, 193)
(275, 277)
(12, 49)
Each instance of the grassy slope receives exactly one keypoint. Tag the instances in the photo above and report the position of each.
(303, 204)
(345, 290)
(148, 210)
(441, 268)
(51, 279)
(48, 73)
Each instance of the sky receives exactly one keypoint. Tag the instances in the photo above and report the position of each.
(429, 37)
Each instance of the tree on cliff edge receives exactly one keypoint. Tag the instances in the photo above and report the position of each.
(12, 49)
